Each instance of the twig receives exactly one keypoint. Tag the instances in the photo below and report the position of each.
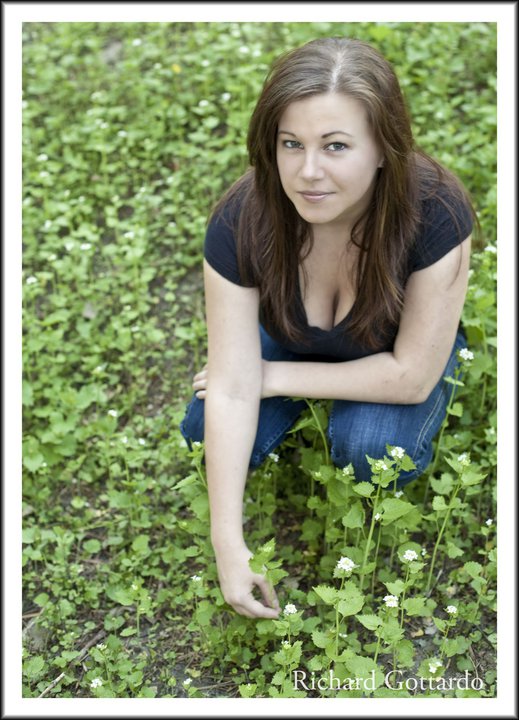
(101, 634)
(53, 684)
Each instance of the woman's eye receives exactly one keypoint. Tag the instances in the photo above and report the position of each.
(337, 146)
(291, 144)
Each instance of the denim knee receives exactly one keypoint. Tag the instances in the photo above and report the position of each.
(192, 425)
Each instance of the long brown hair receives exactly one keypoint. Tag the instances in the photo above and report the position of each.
(270, 232)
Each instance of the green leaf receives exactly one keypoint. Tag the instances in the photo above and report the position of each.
(355, 517)
(141, 544)
(128, 631)
(92, 546)
(364, 669)
(456, 409)
(439, 504)
(396, 587)
(351, 599)
(120, 595)
(321, 639)
(363, 488)
(393, 508)
(369, 621)
(453, 551)
(327, 594)
(248, 690)
(473, 568)
(33, 668)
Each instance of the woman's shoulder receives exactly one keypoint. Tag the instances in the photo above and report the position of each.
(446, 218)
(220, 245)
(443, 199)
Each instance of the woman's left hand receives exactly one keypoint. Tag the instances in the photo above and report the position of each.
(200, 381)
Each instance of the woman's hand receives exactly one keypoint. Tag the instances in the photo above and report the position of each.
(201, 379)
(237, 582)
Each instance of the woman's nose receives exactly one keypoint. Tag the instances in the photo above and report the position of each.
(311, 168)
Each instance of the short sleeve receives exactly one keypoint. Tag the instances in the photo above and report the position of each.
(220, 245)
(444, 225)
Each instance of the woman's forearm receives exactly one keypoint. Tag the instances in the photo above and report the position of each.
(230, 430)
(377, 378)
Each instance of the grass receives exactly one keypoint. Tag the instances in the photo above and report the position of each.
(131, 132)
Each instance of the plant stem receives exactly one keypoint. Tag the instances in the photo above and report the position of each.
(403, 598)
(321, 431)
(440, 535)
(368, 541)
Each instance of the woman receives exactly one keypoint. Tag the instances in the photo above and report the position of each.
(335, 268)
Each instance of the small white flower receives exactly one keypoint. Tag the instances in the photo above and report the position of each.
(203, 103)
(130, 234)
(69, 246)
(466, 354)
(205, 63)
(226, 96)
(424, 552)
(96, 682)
(187, 681)
(256, 53)
(378, 516)
(380, 465)
(135, 328)
(451, 609)
(289, 609)
(391, 601)
(101, 646)
(491, 249)
(244, 50)
(410, 555)
(42, 157)
(196, 578)
(343, 635)
(397, 452)
(346, 470)
(464, 459)
(274, 457)
(489, 522)
(134, 586)
(141, 441)
(103, 125)
(113, 413)
(124, 440)
(44, 174)
(85, 246)
(122, 133)
(285, 642)
(137, 42)
(52, 257)
(31, 280)
(399, 493)
(346, 564)
(434, 665)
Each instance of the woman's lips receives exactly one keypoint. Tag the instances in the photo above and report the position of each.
(314, 197)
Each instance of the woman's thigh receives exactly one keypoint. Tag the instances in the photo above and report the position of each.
(276, 414)
(359, 429)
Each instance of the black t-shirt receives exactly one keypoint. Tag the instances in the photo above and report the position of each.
(438, 233)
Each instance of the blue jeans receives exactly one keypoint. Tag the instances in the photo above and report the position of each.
(355, 429)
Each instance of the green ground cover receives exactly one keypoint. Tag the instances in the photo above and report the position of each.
(131, 132)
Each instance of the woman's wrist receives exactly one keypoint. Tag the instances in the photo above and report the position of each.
(268, 379)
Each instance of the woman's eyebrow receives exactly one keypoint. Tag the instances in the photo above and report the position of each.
(333, 132)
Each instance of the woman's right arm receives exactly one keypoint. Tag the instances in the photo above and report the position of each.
(231, 418)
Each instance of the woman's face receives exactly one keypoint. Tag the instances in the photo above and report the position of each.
(327, 159)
